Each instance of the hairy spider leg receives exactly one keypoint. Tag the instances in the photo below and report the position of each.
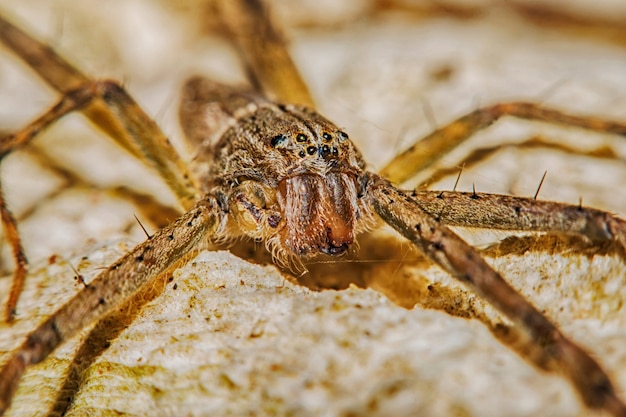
(465, 263)
(425, 152)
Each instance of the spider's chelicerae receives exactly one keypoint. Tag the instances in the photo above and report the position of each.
(283, 175)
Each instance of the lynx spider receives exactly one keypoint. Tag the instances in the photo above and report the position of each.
(395, 207)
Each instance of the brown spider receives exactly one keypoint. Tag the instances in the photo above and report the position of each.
(285, 175)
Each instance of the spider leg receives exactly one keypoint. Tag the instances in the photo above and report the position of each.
(263, 50)
(72, 101)
(111, 288)
(130, 118)
(482, 154)
(21, 262)
(110, 108)
(464, 262)
(433, 147)
(505, 212)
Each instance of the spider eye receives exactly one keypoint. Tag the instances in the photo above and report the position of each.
(326, 136)
(301, 137)
(343, 136)
(279, 141)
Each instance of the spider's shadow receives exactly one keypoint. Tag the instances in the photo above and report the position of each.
(389, 264)
(393, 267)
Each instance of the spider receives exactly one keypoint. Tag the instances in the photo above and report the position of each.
(329, 229)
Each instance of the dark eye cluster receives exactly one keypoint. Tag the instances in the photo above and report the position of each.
(328, 145)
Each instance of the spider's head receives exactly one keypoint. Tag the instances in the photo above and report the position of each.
(295, 177)
(318, 187)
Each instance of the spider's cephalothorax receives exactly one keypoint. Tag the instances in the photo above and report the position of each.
(285, 174)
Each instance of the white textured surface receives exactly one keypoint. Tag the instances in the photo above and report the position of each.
(235, 338)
